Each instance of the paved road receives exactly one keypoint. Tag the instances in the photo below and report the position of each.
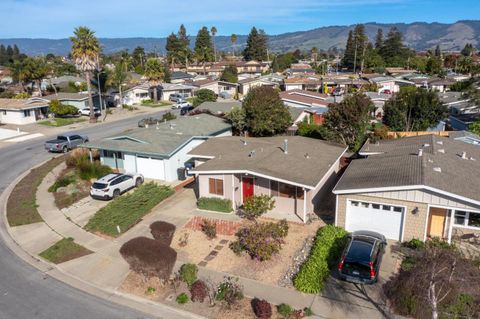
(26, 292)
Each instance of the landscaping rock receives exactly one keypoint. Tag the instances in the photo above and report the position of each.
(298, 259)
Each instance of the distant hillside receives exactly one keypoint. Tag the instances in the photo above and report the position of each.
(419, 36)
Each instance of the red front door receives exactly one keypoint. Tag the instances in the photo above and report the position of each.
(247, 187)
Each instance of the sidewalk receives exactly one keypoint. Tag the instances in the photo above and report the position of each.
(106, 269)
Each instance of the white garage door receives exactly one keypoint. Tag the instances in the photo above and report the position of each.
(151, 167)
(381, 218)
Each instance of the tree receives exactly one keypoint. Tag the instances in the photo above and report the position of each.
(413, 109)
(85, 51)
(475, 127)
(32, 70)
(184, 51)
(204, 95)
(394, 51)
(468, 50)
(233, 39)
(172, 47)
(230, 74)
(349, 54)
(438, 51)
(314, 131)
(118, 77)
(138, 55)
(237, 118)
(203, 47)
(349, 119)
(256, 48)
(379, 40)
(265, 113)
(213, 30)
(59, 109)
(314, 53)
(256, 206)
(154, 71)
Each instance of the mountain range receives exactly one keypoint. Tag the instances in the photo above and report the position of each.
(418, 35)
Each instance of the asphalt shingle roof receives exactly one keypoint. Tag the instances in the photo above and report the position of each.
(441, 166)
(307, 161)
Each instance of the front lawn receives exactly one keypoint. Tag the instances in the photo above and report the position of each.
(57, 122)
(215, 204)
(64, 250)
(22, 206)
(150, 103)
(127, 210)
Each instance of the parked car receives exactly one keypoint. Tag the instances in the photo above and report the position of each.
(64, 143)
(338, 91)
(86, 111)
(225, 95)
(113, 185)
(175, 97)
(361, 259)
(148, 121)
(385, 91)
(185, 110)
(181, 104)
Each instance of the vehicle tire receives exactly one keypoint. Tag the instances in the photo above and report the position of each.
(138, 182)
(116, 193)
(65, 149)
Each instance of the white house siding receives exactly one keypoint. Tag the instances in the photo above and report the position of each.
(211, 86)
(135, 96)
(178, 159)
(293, 86)
(130, 163)
(151, 167)
(16, 117)
(427, 197)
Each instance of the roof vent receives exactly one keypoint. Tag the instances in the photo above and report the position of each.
(440, 142)
(464, 155)
(285, 146)
(252, 153)
(472, 158)
(437, 169)
(307, 156)
(426, 145)
(430, 160)
(420, 152)
(442, 150)
(244, 142)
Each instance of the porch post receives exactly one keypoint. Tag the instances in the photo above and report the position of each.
(304, 205)
(90, 155)
(450, 226)
(115, 159)
(233, 192)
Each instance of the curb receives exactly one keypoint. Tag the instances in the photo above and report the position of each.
(126, 300)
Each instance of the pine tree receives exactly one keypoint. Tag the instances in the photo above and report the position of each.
(3, 54)
(349, 54)
(184, 51)
(394, 51)
(438, 52)
(379, 40)
(172, 47)
(356, 48)
(256, 48)
(203, 47)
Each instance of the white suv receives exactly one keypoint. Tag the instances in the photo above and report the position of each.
(112, 185)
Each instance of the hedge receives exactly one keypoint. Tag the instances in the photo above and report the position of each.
(215, 204)
(163, 232)
(329, 243)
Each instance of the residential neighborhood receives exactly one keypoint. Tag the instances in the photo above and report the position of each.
(284, 163)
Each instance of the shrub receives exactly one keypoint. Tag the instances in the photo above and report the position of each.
(414, 244)
(328, 245)
(307, 312)
(150, 290)
(209, 228)
(284, 310)
(257, 205)
(262, 309)
(168, 117)
(261, 240)
(215, 204)
(229, 291)
(407, 263)
(236, 247)
(62, 181)
(182, 298)
(149, 257)
(204, 95)
(88, 170)
(199, 291)
(163, 232)
(60, 109)
(188, 273)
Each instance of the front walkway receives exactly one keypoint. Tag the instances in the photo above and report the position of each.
(106, 269)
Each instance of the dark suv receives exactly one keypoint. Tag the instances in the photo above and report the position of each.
(361, 259)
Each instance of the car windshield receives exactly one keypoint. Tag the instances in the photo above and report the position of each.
(98, 185)
(62, 138)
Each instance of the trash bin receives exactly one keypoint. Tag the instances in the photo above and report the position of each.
(181, 174)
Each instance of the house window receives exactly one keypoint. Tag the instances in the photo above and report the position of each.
(375, 206)
(469, 219)
(26, 113)
(110, 154)
(4, 112)
(215, 186)
(278, 189)
(274, 189)
(286, 190)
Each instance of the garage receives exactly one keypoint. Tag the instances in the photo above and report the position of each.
(382, 218)
(151, 167)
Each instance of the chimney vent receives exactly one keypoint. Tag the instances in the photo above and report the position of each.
(307, 156)
(464, 155)
(285, 146)
(252, 153)
(442, 150)
(437, 169)
(420, 152)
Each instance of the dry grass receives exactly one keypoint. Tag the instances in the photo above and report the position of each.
(68, 196)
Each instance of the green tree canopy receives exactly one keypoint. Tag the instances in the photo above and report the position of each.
(155, 72)
(204, 95)
(349, 119)
(230, 74)
(59, 109)
(413, 109)
(265, 113)
(204, 46)
(256, 48)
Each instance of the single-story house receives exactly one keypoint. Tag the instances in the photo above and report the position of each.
(79, 100)
(461, 122)
(134, 95)
(219, 108)
(390, 83)
(414, 187)
(378, 100)
(179, 77)
(158, 151)
(301, 98)
(312, 83)
(62, 81)
(299, 172)
(167, 89)
(22, 111)
(246, 84)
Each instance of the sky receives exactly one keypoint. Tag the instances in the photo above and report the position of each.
(56, 19)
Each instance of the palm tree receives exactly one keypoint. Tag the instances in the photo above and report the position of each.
(155, 73)
(233, 39)
(85, 51)
(118, 77)
(213, 30)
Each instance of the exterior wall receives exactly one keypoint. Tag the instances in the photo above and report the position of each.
(112, 162)
(131, 98)
(130, 163)
(293, 86)
(17, 117)
(414, 225)
(211, 86)
(179, 159)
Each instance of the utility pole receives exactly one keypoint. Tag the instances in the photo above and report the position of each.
(99, 84)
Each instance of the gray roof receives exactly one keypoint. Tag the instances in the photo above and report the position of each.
(163, 139)
(219, 107)
(307, 161)
(65, 96)
(397, 163)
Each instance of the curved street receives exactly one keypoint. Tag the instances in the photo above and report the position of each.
(26, 292)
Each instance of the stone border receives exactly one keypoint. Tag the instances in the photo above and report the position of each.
(126, 300)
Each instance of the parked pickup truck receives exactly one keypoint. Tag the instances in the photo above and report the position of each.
(64, 143)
